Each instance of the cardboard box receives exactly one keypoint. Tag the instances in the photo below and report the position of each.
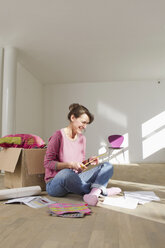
(23, 167)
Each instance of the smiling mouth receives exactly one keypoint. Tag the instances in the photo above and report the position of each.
(82, 129)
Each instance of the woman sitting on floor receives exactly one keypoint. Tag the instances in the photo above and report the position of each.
(64, 169)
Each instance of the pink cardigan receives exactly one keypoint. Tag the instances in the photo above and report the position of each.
(62, 149)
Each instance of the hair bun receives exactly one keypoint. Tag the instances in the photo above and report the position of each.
(73, 106)
(77, 110)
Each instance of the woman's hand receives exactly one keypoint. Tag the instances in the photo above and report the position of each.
(95, 160)
(77, 167)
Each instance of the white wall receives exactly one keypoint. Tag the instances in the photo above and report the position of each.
(29, 103)
(119, 107)
(1, 69)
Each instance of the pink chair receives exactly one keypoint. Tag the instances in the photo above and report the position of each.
(116, 141)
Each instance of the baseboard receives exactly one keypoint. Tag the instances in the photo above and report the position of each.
(142, 173)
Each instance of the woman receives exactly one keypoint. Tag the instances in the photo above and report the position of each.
(64, 169)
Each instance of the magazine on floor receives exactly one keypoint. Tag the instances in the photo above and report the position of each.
(32, 201)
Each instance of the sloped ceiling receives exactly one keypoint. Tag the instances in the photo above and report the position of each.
(69, 41)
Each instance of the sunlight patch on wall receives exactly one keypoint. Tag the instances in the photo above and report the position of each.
(112, 114)
(154, 143)
(103, 149)
(125, 142)
(153, 134)
(153, 124)
(119, 157)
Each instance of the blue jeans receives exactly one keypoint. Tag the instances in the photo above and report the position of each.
(68, 181)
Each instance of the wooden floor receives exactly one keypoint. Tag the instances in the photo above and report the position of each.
(107, 227)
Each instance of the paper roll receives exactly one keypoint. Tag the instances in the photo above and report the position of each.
(19, 192)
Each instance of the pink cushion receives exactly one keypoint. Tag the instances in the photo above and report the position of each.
(26, 141)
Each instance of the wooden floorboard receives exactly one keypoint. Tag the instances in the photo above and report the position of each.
(107, 227)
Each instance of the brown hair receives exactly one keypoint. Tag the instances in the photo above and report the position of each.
(77, 110)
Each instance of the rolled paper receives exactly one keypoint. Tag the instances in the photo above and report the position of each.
(19, 192)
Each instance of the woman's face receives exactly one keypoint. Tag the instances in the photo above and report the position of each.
(79, 124)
